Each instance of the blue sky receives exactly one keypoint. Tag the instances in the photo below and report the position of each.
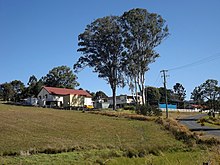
(37, 35)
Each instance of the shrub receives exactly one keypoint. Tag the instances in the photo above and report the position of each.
(210, 141)
(149, 110)
(129, 107)
(202, 121)
(212, 118)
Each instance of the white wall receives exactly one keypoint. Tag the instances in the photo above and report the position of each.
(45, 96)
(181, 110)
(88, 101)
(123, 99)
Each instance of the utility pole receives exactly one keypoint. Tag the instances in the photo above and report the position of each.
(165, 89)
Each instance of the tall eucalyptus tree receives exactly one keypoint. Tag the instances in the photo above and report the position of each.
(102, 49)
(142, 32)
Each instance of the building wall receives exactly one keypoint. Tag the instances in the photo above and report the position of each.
(88, 101)
(76, 101)
(73, 101)
(44, 97)
(31, 101)
(63, 101)
(124, 99)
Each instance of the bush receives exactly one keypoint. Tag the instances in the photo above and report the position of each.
(129, 107)
(148, 110)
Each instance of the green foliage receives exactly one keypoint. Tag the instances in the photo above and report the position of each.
(12, 91)
(7, 91)
(34, 87)
(180, 91)
(119, 48)
(153, 95)
(143, 31)
(99, 95)
(129, 107)
(208, 93)
(61, 77)
(149, 110)
(170, 94)
(101, 45)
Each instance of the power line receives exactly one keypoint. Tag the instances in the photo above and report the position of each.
(199, 62)
(157, 79)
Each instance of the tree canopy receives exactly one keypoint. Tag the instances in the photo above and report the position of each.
(143, 31)
(12, 91)
(61, 77)
(7, 91)
(209, 93)
(153, 95)
(121, 47)
(180, 91)
(101, 45)
(34, 87)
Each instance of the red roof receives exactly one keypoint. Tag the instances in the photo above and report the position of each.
(64, 91)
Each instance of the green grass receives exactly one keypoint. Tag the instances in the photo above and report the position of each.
(78, 157)
(179, 158)
(210, 121)
(94, 139)
(114, 157)
(24, 128)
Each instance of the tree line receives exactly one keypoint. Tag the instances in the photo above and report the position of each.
(61, 77)
(205, 96)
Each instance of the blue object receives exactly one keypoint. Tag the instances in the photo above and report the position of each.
(170, 106)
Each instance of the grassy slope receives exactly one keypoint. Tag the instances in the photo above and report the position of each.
(101, 138)
(22, 128)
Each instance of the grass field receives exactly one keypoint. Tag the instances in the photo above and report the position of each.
(92, 138)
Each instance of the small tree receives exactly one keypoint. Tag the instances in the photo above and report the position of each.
(18, 88)
(196, 95)
(180, 91)
(7, 91)
(34, 87)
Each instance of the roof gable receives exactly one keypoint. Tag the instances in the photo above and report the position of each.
(65, 91)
